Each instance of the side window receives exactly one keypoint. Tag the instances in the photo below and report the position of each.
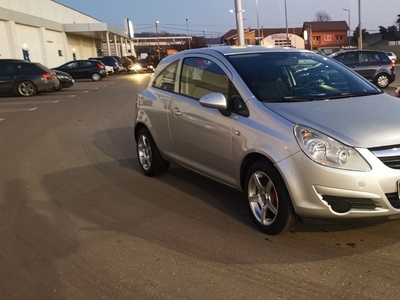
(166, 79)
(85, 64)
(349, 58)
(202, 76)
(71, 65)
(7, 68)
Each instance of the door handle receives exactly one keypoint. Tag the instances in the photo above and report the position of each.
(175, 111)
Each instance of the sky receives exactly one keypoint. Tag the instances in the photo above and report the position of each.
(212, 18)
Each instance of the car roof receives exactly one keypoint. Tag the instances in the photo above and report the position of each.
(229, 50)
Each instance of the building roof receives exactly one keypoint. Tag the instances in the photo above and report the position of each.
(327, 26)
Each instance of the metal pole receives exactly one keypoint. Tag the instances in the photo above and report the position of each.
(359, 26)
(348, 37)
(158, 41)
(287, 29)
(239, 22)
(187, 28)
(258, 25)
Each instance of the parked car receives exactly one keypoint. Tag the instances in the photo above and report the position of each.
(112, 64)
(373, 65)
(392, 56)
(144, 66)
(66, 80)
(307, 149)
(81, 69)
(25, 78)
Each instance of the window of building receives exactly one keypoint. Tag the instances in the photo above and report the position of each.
(316, 39)
(283, 43)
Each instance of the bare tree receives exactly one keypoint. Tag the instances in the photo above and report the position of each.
(322, 16)
(398, 20)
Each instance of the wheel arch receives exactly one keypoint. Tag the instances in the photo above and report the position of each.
(138, 127)
(247, 162)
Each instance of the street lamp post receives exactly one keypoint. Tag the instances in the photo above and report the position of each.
(158, 41)
(359, 26)
(239, 21)
(258, 25)
(348, 37)
(187, 29)
(287, 29)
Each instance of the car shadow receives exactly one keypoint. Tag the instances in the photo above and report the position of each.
(193, 214)
(33, 241)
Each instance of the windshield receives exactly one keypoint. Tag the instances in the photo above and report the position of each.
(298, 76)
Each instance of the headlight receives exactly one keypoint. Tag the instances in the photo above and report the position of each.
(329, 152)
(62, 77)
(138, 67)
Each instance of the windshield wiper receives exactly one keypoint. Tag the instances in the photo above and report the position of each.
(321, 97)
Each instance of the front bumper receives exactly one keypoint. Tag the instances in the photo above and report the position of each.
(318, 191)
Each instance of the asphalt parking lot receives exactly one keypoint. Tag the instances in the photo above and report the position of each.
(80, 221)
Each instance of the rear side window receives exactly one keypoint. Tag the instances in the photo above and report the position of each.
(26, 68)
(369, 57)
(166, 79)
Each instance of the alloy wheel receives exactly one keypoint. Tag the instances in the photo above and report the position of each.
(263, 198)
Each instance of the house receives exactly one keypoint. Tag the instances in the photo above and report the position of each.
(256, 36)
(329, 34)
(316, 35)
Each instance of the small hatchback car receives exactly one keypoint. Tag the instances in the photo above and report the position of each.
(81, 69)
(254, 119)
(373, 65)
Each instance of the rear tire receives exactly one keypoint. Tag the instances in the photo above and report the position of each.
(96, 77)
(149, 157)
(269, 202)
(26, 89)
(382, 81)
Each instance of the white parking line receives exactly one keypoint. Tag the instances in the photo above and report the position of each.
(5, 110)
(2, 120)
(29, 102)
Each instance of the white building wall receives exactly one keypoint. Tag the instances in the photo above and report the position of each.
(84, 47)
(273, 40)
(4, 45)
(48, 9)
(29, 36)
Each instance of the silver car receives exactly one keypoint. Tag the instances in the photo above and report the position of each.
(317, 142)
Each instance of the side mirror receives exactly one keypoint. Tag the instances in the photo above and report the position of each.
(217, 101)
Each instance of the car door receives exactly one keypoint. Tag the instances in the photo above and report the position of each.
(84, 69)
(368, 64)
(71, 68)
(202, 137)
(7, 77)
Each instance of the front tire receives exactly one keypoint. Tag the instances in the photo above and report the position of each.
(150, 160)
(269, 202)
(26, 89)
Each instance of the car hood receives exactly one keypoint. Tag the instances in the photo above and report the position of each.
(58, 72)
(368, 121)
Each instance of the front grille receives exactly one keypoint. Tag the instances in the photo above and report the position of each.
(390, 156)
(394, 199)
(392, 162)
(356, 203)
